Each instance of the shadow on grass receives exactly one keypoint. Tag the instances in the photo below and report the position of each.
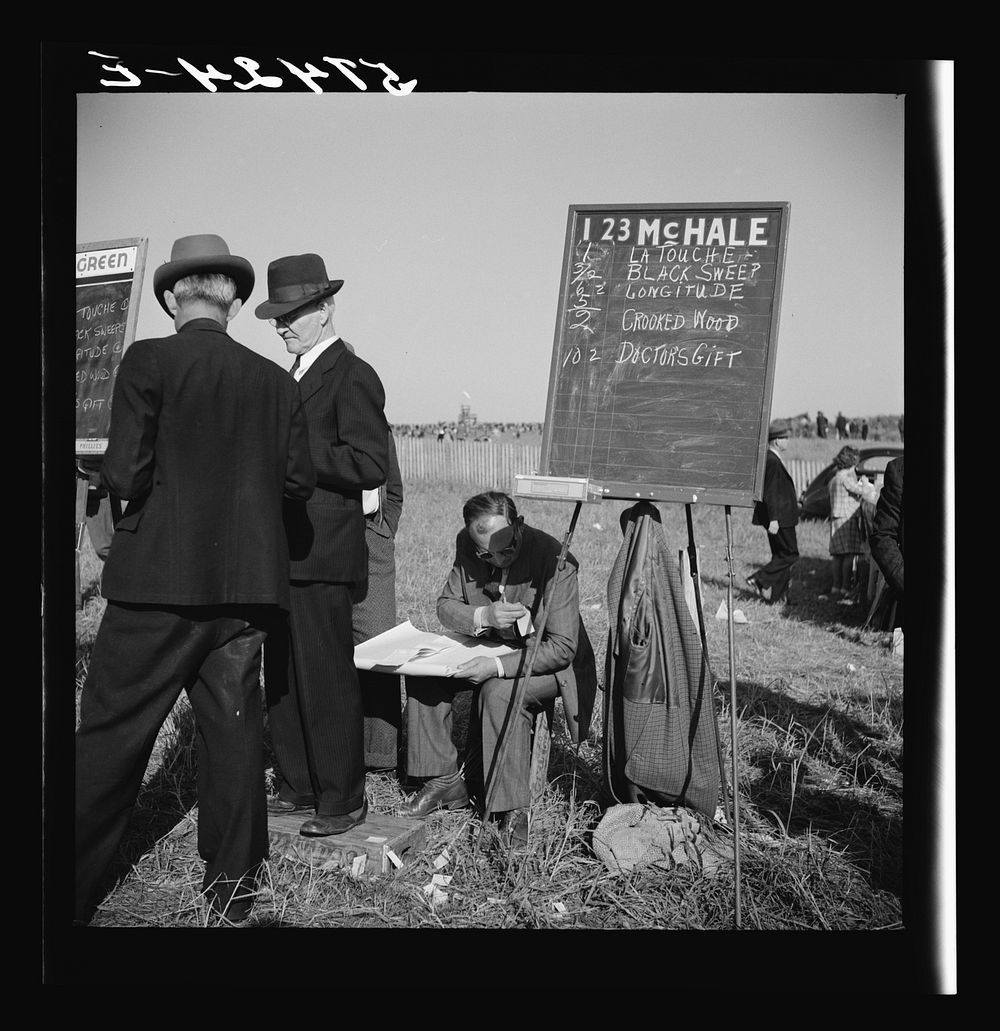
(811, 600)
(755, 700)
(828, 780)
(870, 838)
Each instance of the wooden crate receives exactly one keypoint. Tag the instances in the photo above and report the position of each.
(374, 839)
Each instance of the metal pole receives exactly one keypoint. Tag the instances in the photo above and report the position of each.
(82, 487)
(695, 576)
(732, 711)
(503, 746)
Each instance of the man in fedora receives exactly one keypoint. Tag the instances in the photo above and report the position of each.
(206, 439)
(314, 700)
(778, 513)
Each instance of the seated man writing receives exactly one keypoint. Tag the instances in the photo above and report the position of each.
(495, 587)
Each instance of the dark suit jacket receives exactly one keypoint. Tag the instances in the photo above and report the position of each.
(375, 597)
(385, 521)
(565, 648)
(779, 501)
(206, 437)
(886, 539)
(344, 402)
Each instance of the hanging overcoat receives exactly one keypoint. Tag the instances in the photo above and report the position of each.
(660, 733)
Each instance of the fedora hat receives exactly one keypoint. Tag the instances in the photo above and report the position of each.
(202, 253)
(777, 430)
(294, 282)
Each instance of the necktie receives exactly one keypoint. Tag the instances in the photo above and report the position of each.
(295, 366)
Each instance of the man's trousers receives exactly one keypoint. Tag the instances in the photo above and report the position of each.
(142, 659)
(784, 554)
(314, 704)
(431, 752)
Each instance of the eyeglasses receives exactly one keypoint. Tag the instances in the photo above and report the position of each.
(501, 553)
(290, 316)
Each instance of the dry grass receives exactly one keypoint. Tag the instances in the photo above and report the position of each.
(820, 716)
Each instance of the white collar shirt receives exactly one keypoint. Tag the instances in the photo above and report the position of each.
(307, 359)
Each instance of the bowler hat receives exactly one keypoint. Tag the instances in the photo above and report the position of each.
(777, 430)
(202, 253)
(293, 282)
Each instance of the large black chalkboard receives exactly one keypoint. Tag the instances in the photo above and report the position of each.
(663, 362)
(108, 285)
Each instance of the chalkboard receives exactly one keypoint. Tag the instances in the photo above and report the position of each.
(663, 362)
(108, 285)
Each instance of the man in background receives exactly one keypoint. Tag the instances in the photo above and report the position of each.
(206, 439)
(315, 708)
(778, 513)
(887, 539)
(374, 612)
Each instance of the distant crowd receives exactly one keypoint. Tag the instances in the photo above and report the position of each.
(843, 427)
(485, 432)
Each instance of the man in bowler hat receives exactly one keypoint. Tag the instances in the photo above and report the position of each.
(206, 439)
(315, 708)
(778, 513)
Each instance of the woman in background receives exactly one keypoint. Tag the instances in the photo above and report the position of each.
(846, 535)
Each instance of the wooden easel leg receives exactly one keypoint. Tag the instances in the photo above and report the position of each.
(82, 487)
(541, 746)
(732, 716)
(691, 567)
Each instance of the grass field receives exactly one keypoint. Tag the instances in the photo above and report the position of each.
(820, 758)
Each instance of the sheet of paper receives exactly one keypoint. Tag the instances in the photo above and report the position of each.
(415, 653)
(400, 655)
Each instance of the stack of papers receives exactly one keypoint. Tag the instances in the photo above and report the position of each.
(419, 653)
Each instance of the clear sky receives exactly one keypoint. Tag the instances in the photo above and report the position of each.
(445, 215)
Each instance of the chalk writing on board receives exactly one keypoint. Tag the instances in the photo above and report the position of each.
(588, 289)
(663, 359)
(108, 277)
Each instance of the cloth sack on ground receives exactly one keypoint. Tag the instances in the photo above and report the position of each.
(633, 836)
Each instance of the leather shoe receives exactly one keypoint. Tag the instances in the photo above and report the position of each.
(279, 807)
(438, 793)
(322, 826)
(514, 828)
(237, 912)
(764, 593)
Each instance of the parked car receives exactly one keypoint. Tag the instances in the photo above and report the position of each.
(814, 501)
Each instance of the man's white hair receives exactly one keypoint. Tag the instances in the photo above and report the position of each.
(213, 287)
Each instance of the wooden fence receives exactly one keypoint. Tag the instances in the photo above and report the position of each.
(493, 466)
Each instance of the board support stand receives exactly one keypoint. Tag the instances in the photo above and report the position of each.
(81, 522)
(732, 711)
(696, 577)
